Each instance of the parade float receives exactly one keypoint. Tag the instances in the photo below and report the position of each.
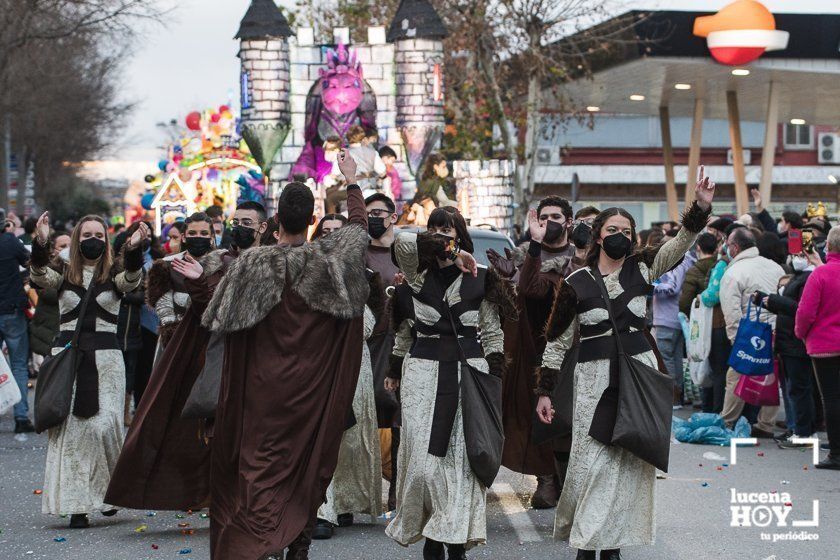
(207, 164)
(295, 93)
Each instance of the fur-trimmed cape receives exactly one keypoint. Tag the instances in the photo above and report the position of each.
(328, 273)
(160, 276)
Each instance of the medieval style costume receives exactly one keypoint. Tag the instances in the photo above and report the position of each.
(167, 294)
(608, 497)
(165, 463)
(356, 486)
(541, 269)
(82, 452)
(438, 495)
(294, 323)
(381, 343)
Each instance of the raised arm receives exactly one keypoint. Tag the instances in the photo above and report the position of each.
(693, 222)
(356, 212)
(40, 273)
(129, 279)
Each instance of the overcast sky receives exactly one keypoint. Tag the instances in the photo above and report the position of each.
(191, 64)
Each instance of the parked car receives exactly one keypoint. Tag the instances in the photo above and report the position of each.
(484, 237)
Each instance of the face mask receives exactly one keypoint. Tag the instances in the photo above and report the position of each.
(581, 235)
(331, 156)
(218, 241)
(377, 227)
(243, 237)
(197, 246)
(780, 228)
(553, 231)
(799, 263)
(726, 252)
(617, 246)
(92, 248)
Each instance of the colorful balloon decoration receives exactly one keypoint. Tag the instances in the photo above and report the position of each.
(146, 201)
(194, 121)
(209, 164)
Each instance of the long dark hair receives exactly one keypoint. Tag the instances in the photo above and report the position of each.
(319, 230)
(594, 252)
(432, 161)
(450, 217)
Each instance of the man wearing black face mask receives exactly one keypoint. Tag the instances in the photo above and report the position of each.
(548, 259)
(382, 216)
(249, 223)
(580, 235)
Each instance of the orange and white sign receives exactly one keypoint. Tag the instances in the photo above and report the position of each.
(741, 32)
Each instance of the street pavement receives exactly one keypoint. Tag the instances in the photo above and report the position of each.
(693, 515)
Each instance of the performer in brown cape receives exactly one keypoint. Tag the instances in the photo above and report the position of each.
(293, 314)
(165, 462)
(547, 260)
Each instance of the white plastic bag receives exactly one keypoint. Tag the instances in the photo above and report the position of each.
(9, 390)
(699, 342)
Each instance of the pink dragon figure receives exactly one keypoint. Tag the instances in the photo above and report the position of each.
(338, 100)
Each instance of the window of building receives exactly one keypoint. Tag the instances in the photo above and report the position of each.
(799, 137)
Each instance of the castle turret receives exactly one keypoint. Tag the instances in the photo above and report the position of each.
(417, 33)
(264, 80)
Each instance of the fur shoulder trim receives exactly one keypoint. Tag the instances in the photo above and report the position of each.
(563, 311)
(214, 261)
(329, 274)
(500, 293)
(159, 282)
(557, 264)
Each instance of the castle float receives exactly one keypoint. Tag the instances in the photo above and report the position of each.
(296, 93)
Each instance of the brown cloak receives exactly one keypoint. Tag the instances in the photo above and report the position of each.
(292, 356)
(524, 345)
(164, 463)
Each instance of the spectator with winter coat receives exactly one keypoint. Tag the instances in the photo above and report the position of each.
(747, 273)
(818, 324)
(697, 280)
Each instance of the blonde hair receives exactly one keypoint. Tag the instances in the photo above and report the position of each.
(75, 268)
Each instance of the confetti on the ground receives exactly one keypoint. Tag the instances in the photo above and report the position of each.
(805, 468)
(182, 525)
(712, 456)
(204, 516)
(726, 464)
(789, 504)
(185, 551)
(180, 516)
(187, 532)
(760, 453)
(155, 547)
(37, 492)
(59, 539)
(151, 513)
(141, 529)
(785, 482)
(705, 484)
(720, 468)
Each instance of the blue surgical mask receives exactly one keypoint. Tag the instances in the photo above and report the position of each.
(218, 241)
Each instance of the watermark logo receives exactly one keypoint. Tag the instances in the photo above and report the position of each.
(773, 510)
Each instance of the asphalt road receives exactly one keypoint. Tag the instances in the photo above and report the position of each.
(693, 515)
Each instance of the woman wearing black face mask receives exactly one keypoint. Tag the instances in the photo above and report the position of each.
(438, 494)
(608, 498)
(82, 450)
(166, 291)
